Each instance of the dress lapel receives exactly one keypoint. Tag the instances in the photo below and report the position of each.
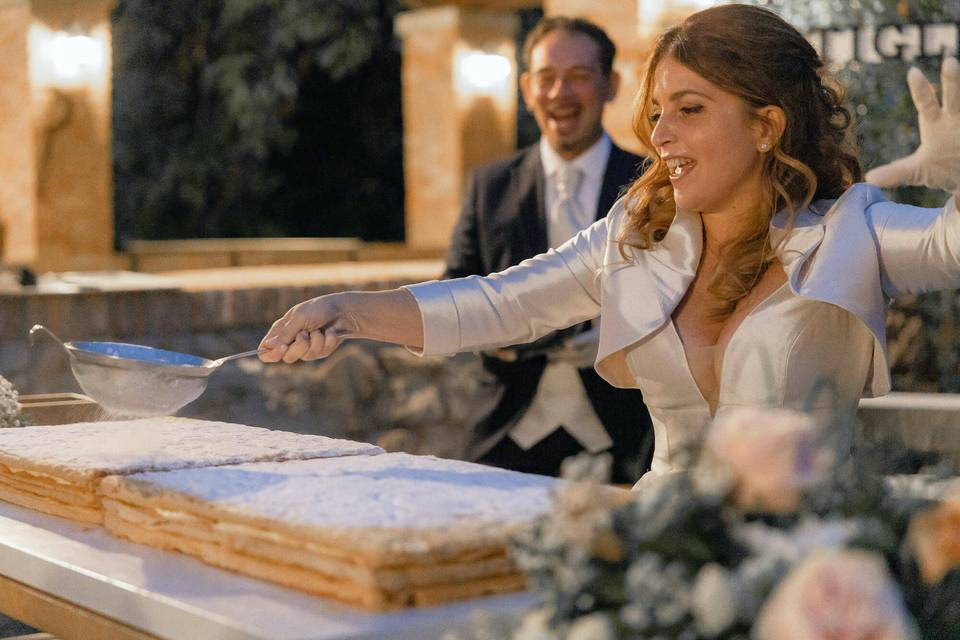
(640, 294)
(834, 238)
(832, 257)
(798, 246)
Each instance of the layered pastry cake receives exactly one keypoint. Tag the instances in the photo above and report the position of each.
(380, 532)
(56, 469)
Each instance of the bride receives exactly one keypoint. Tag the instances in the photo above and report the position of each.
(748, 266)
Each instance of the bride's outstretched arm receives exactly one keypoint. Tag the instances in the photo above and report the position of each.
(936, 162)
(920, 248)
(545, 293)
(314, 328)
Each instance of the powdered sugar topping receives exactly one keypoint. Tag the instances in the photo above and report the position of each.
(394, 490)
(128, 446)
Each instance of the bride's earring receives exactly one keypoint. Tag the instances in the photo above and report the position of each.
(763, 147)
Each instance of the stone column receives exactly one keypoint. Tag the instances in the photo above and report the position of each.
(18, 184)
(450, 125)
(73, 140)
(56, 196)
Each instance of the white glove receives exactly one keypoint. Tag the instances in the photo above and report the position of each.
(580, 350)
(936, 162)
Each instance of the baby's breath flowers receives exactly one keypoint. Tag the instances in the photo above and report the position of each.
(10, 414)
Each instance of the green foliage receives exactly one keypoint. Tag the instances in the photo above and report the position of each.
(257, 117)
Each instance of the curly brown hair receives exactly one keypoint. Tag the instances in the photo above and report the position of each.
(754, 54)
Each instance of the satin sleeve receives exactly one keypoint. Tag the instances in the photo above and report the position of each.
(551, 291)
(919, 248)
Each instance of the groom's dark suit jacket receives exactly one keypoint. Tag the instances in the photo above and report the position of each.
(503, 222)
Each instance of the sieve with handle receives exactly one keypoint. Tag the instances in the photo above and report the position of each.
(135, 380)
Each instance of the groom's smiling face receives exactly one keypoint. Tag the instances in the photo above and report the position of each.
(566, 90)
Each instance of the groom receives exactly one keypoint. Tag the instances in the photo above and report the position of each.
(546, 402)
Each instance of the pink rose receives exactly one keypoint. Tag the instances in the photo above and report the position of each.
(836, 594)
(770, 455)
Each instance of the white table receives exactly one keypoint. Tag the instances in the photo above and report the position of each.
(78, 581)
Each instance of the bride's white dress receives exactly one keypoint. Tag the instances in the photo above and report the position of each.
(777, 357)
(815, 344)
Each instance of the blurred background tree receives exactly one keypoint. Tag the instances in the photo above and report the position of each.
(244, 118)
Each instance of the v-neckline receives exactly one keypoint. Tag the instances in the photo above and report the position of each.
(723, 356)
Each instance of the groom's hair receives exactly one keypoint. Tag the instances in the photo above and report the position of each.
(572, 25)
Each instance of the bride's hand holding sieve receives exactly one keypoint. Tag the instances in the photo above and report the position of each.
(307, 331)
(315, 328)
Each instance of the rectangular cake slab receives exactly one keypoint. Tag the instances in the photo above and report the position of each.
(381, 532)
(175, 596)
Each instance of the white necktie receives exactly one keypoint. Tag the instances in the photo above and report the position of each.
(561, 398)
(567, 214)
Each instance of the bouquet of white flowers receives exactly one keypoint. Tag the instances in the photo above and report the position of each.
(10, 414)
(768, 537)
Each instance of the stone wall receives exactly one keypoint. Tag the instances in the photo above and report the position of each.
(365, 391)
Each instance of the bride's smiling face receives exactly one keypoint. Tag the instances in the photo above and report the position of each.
(708, 140)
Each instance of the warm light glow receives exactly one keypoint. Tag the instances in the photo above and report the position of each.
(479, 72)
(66, 59)
(655, 15)
(648, 12)
(75, 56)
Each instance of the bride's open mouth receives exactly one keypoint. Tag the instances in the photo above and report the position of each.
(678, 168)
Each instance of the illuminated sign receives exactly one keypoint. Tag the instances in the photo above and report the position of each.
(878, 43)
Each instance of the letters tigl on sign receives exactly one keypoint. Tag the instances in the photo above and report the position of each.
(878, 43)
